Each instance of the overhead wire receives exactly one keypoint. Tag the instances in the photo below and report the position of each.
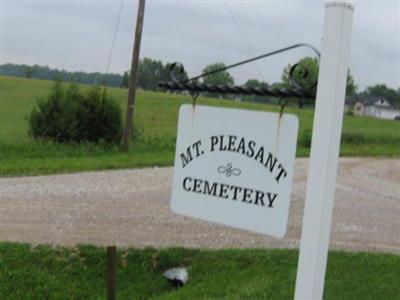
(114, 36)
(121, 5)
(1, 37)
(243, 37)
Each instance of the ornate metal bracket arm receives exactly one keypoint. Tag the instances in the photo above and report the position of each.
(237, 89)
(194, 87)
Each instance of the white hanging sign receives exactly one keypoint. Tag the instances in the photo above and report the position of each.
(235, 167)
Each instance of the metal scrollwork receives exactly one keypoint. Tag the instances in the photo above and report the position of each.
(298, 90)
(303, 73)
(175, 69)
(283, 102)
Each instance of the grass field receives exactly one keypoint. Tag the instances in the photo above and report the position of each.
(155, 123)
(78, 273)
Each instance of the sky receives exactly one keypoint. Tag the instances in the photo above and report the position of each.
(77, 35)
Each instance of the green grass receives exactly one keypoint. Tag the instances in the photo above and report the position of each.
(156, 120)
(78, 273)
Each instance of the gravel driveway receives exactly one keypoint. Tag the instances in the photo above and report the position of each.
(131, 208)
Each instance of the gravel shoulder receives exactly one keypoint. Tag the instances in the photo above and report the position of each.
(130, 208)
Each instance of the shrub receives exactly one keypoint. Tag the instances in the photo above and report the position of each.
(68, 115)
(99, 118)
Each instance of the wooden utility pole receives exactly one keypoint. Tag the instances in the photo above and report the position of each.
(133, 77)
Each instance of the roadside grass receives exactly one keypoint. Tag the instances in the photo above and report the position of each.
(79, 273)
(156, 118)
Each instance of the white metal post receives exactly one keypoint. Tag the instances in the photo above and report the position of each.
(327, 128)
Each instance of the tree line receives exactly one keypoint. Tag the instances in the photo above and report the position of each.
(44, 72)
(152, 71)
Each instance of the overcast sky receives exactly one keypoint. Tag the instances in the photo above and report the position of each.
(77, 35)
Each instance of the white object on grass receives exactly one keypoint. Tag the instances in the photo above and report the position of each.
(177, 276)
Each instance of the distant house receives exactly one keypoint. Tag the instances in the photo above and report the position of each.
(372, 106)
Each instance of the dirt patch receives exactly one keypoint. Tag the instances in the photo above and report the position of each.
(130, 208)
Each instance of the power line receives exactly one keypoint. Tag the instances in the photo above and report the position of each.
(1, 36)
(242, 36)
(114, 36)
(112, 48)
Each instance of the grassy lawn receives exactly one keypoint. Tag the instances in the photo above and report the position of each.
(155, 123)
(78, 273)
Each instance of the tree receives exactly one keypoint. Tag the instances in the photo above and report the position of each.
(220, 78)
(351, 88)
(306, 75)
(252, 82)
(256, 98)
(382, 90)
(125, 80)
(44, 72)
(30, 70)
(150, 73)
